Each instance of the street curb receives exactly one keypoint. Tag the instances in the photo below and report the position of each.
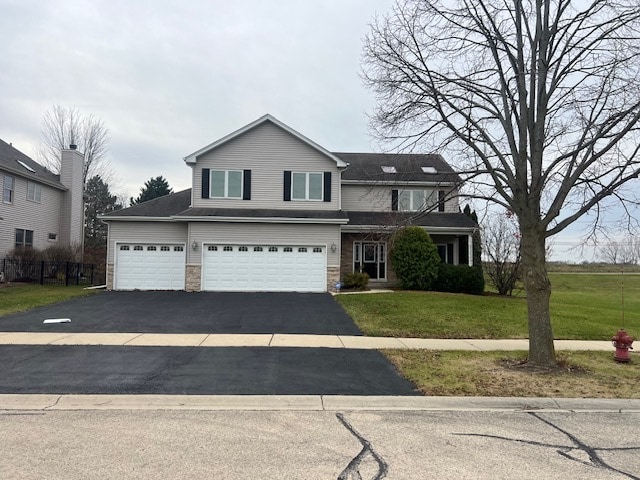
(53, 402)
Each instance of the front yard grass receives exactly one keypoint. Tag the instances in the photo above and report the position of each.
(18, 298)
(464, 373)
(583, 307)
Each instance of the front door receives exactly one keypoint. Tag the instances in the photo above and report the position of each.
(371, 258)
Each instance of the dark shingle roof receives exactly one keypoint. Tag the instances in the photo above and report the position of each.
(368, 167)
(436, 220)
(178, 204)
(263, 213)
(9, 157)
(165, 206)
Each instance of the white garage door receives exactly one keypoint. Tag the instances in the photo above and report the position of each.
(149, 267)
(264, 268)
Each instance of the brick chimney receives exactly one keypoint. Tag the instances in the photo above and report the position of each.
(72, 212)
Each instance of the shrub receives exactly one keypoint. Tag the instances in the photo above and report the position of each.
(459, 279)
(356, 280)
(415, 259)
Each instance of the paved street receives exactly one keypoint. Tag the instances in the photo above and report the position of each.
(318, 445)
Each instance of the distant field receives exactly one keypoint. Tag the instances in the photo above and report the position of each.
(583, 307)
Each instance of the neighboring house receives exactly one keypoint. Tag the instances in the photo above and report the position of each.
(40, 209)
(270, 210)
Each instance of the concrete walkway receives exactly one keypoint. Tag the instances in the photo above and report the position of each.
(282, 340)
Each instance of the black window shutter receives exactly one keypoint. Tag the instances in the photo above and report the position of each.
(450, 253)
(246, 187)
(205, 183)
(327, 186)
(441, 197)
(394, 200)
(287, 185)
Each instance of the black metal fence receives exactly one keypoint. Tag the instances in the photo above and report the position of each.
(50, 273)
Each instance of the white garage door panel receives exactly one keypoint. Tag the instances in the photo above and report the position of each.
(262, 268)
(150, 267)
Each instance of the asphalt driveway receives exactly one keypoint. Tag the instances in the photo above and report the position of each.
(190, 312)
(80, 369)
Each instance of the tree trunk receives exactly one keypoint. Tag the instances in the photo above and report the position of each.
(538, 289)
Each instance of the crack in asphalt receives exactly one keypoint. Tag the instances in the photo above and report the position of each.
(565, 451)
(352, 470)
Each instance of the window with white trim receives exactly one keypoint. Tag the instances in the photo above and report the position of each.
(225, 183)
(7, 189)
(243, 249)
(34, 192)
(412, 200)
(178, 248)
(24, 238)
(165, 248)
(151, 248)
(273, 249)
(124, 247)
(307, 186)
(257, 249)
(138, 248)
(212, 248)
(227, 248)
(287, 249)
(317, 249)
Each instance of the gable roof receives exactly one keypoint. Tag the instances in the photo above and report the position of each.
(14, 161)
(367, 167)
(193, 157)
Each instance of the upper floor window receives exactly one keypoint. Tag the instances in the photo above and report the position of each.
(412, 200)
(24, 238)
(7, 189)
(306, 186)
(226, 184)
(34, 192)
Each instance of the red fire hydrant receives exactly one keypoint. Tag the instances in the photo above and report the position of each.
(622, 341)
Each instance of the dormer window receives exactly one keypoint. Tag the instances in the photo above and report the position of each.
(389, 169)
(431, 170)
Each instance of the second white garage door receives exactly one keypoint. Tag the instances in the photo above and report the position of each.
(264, 268)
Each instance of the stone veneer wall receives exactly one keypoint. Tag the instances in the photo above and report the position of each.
(333, 277)
(193, 278)
(109, 276)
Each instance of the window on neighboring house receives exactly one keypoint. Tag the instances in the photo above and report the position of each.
(226, 184)
(24, 238)
(412, 200)
(52, 237)
(34, 192)
(7, 189)
(306, 186)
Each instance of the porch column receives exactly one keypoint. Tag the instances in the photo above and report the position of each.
(470, 249)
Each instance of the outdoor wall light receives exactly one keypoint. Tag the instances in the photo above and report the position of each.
(334, 247)
(194, 245)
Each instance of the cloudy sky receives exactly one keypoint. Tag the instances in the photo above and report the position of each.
(169, 77)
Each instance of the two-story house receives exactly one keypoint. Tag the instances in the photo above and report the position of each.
(40, 209)
(271, 210)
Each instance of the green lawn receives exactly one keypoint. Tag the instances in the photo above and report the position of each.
(583, 306)
(500, 374)
(24, 297)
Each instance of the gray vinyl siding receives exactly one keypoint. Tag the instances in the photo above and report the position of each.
(145, 233)
(267, 151)
(264, 234)
(43, 217)
(72, 207)
(377, 198)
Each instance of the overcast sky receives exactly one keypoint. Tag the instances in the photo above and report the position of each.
(168, 77)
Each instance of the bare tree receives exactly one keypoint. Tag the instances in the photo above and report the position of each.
(501, 247)
(62, 127)
(626, 251)
(538, 100)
